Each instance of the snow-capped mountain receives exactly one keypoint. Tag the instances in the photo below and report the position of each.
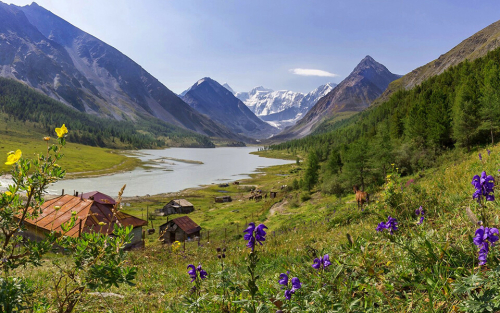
(282, 108)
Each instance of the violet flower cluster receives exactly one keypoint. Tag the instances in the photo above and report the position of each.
(295, 285)
(484, 185)
(480, 157)
(391, 225)
(484, 238)
(420, 212)
(254, 234)
(193, 273)
(322, 262)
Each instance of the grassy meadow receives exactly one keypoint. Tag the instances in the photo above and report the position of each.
(80, 160)
(431, 267)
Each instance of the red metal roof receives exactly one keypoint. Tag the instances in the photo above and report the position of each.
(186, 224)
(89, 212)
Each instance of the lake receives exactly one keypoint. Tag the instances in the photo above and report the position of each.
(167, 172)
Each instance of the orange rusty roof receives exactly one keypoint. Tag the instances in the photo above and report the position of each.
(186, 224)
(89, 212)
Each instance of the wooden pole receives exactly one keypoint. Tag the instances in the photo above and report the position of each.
(79, 227)
(63, 192)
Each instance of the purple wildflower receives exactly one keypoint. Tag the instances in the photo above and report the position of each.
(484, 238)
(322, 262)
(295, 285)
(421, 220)
(484, 187)
(420, 211)
(284, 279)
(480, 157)
(488, 152)
(391, 225)
(259, 236)
(193, 272)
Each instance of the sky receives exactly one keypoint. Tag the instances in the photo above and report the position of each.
(293, 45)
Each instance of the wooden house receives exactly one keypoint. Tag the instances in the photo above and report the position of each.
(176, 206)
(179, 229)
(272, 194)
(94, 215)
(223, 199)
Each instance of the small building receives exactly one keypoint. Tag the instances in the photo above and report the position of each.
(179, 229)
(272, 194)
(90, 213)
(223, 199)
(176, 206)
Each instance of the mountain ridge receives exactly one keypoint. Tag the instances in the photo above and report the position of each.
(209, 97)
(49, 54)
(364, 84)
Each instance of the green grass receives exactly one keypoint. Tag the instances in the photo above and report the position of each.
(79, 160)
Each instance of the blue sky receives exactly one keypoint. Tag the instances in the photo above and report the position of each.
(274, 43)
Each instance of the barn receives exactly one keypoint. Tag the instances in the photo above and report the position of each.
(179, 229)
(94, 215)
(176, 206)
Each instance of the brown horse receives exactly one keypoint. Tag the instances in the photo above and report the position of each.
(361, 197)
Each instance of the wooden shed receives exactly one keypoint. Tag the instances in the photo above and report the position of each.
(179, 229)
(176, 206)
(272, 194)
(223, 199)
(90, 213)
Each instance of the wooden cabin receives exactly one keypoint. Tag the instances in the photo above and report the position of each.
(179, 229)
(90, 213)
(176, 206)
(223, 199)
(272, 194)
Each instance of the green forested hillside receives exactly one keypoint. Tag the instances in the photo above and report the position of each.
(22, 103)
(459, 108)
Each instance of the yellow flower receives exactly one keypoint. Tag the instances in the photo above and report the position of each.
(8, 193)
(61, 131)
(176, 245)
(102, 223)
(57, 207)
(13, 157)
(46, 138)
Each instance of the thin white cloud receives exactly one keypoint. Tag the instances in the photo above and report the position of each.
(312, 72)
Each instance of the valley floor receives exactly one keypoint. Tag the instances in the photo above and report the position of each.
(421, 268)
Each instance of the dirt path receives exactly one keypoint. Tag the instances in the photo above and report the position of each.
(278, 208)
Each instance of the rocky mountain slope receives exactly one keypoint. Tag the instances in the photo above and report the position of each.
(212, 99)
(49, 54)
(355, 93)
(474, 47)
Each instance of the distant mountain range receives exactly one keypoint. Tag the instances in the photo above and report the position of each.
(49, 54)
(355, 93)
(280, 108)
(217, 102)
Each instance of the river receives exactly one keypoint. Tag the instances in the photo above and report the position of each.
(172, 170)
